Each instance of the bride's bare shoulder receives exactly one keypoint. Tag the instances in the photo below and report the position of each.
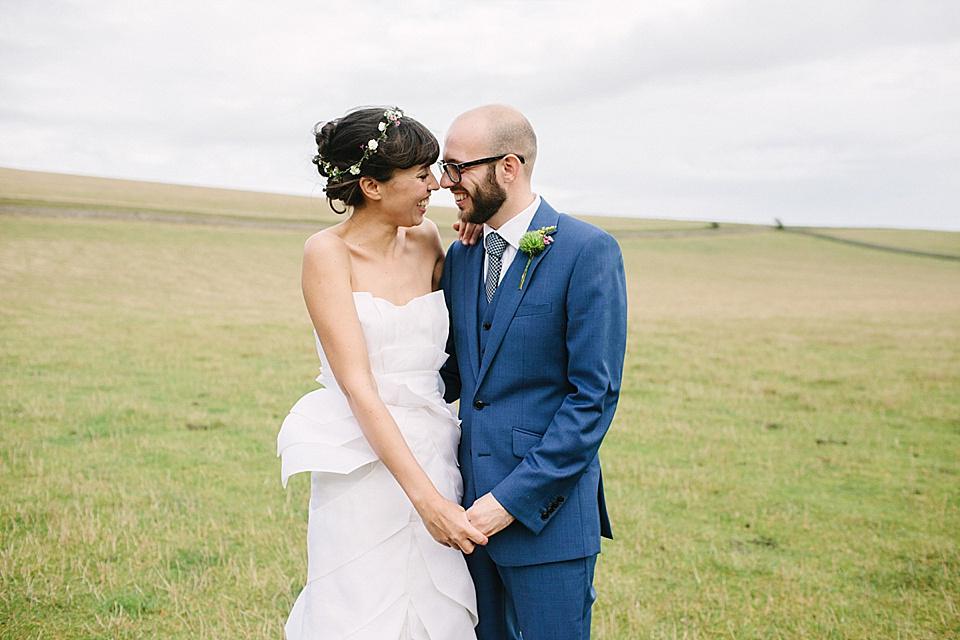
(425, 234)
(326, 249)
(329, 239)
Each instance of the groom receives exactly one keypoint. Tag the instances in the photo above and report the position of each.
(538, 332)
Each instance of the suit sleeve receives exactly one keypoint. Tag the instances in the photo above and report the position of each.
(450, 372)
(596, 340)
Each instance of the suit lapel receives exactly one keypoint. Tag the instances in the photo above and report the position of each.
(470, 288)
(509, 290)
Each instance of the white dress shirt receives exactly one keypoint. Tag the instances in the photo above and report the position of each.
(511, 231)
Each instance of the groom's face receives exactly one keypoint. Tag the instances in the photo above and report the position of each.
(478, 194)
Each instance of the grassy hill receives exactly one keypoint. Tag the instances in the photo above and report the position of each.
(784, 462)
(51, 193)
(39, 190)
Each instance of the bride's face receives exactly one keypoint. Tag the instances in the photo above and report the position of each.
(407, 194)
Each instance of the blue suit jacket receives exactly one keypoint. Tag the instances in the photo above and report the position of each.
(537, 402)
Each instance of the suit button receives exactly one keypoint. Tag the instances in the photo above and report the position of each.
(559, 499)
(486, 325)
(478, 405)
(544, 516)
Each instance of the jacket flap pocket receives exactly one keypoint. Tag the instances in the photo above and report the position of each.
(533, 309)
(523, 441)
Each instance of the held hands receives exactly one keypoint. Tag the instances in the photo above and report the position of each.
(488, 515)
(467, 232)
(447, 523)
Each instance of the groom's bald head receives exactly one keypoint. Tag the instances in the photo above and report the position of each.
(502, 130)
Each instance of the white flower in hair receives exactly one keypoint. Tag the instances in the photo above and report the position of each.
(335, 174)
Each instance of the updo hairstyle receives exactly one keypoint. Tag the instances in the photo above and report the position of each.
(341, 143)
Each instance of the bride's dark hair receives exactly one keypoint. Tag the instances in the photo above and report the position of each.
(342, 159)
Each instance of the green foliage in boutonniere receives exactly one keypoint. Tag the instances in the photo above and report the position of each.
(532, 243)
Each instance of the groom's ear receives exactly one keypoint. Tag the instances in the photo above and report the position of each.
(511, 168)
(370, 188)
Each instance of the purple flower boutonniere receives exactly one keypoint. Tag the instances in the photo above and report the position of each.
(532, 243)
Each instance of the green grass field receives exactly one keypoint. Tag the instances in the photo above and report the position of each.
(785, 461)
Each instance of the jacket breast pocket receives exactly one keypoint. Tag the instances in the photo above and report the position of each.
(523, 441)
(533, 309)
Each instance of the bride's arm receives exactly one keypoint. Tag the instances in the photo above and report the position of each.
(328, 294)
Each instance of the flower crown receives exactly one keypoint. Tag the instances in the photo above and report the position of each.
(335, 174)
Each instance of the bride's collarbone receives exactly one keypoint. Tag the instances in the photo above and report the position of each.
(397, 279)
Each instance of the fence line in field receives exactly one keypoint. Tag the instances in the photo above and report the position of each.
(869, 245)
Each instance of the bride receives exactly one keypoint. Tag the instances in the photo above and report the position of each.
(386, 529)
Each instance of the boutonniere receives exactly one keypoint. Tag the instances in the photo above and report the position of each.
(532, 243)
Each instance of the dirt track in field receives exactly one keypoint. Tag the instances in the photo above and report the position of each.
(259, 223)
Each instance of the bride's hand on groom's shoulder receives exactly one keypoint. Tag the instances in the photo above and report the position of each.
(448, 524)
(488, 515)
(467, 232)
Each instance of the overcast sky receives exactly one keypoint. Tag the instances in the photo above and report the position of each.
(821, 112)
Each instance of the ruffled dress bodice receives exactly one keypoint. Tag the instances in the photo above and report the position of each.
(405, 343)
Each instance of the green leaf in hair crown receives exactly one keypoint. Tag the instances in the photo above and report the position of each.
(532, 243)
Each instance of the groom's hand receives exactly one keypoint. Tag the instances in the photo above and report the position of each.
(488, 515)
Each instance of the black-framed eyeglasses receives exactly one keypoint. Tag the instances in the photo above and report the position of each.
(454, 170)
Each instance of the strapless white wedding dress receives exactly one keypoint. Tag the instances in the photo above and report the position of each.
(374, 572)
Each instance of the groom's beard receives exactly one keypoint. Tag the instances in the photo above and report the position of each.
(487, 199)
